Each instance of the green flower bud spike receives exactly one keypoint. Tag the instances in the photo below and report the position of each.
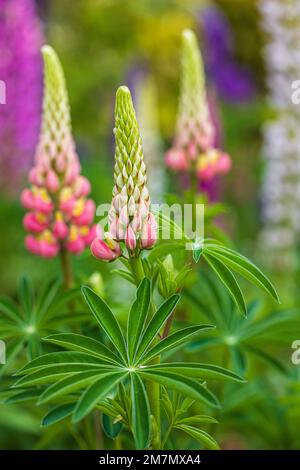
(130, 219)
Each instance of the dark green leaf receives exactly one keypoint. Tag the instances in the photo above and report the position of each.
(137, 316)
(106, 319)
(228, 280)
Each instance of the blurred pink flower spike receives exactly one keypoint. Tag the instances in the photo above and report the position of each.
(60, 217)
(194, 143)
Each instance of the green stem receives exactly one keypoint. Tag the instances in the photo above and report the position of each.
(66, 269)
(194, 192)
(153, 388)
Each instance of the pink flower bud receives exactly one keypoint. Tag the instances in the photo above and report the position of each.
(35, 176)
(224, 163)
(87, 215)
(52, 181)
(93, 232)
(60, 229)
(176, 159)
(130, 239)
(102, 251)
(32, 244)
(82, 187)
(148, 235)
(32, 224)
(27, 199)
(43, 205)
(76, 246)
(48, 250)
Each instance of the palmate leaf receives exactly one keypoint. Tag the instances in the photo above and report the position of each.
(140, 412)
(197, 419)
(184, 385)
(243, 266)
(156, 323)
(137, 316)
(174, 340)
(106, 319)
(10, 309)
(84, 344)
(95, 393)
(228, 280)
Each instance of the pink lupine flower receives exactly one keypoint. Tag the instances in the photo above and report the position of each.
(130, 219)
(101, 250)
(60, 217)
(194, 144)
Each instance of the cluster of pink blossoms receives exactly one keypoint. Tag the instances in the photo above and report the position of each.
(193, 147)
(60, 216)
(131, 224)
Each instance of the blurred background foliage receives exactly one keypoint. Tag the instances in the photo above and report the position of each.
(101, 43)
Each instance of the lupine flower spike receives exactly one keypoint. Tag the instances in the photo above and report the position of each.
(193, 147)
(60, 216)
(131, 224)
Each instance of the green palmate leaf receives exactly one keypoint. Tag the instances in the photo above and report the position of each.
(197, 419)
(66, 357)
(196, 370)
(200, 436)
(54, 372)
(95, 393)
(71, 383)
(137, 316)
(228, 280)
(243, 266)
(140, 413)
(26, 295)
(111, 428)
(174, 340)
(106, 319)
(10, 309)
(125, 275)
(58, 413)
(84, 344)
(156, 323)
(184, 385)
(238, 359)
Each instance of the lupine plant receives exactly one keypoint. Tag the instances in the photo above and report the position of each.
(88, 367)
(60, 217)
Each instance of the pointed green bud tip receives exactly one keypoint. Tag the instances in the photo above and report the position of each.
(188, 35)
(52, 66)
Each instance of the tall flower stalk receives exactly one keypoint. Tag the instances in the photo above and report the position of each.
(193, 149)
(131, 225)
(60, 216)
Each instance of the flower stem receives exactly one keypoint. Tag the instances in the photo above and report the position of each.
(66, 268)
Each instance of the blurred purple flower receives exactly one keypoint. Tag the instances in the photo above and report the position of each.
(21, 70)
(232, 81)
